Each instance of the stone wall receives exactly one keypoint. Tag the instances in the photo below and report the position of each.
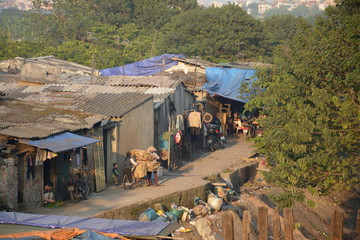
(184, 198)
(32, 195)
(242, 175)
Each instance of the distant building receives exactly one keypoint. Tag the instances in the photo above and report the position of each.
(263, 7)
(217, 5)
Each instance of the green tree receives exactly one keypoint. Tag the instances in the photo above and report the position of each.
(213, 33)
(280, 30)
(11, 23)
(311, 98)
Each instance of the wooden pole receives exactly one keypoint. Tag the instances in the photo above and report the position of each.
(228, 226)
(169, 146)
(246, 225)
(358, 225)
(337, 218)
(263, 223)
(276, 225)
(289, 223)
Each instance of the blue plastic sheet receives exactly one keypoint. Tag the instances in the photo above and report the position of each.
(145, 67)
(121, 227)
(227, 82)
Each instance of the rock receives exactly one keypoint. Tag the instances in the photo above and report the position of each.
(159, 207)
(203, 228)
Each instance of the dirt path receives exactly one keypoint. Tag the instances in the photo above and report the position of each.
(189, 176)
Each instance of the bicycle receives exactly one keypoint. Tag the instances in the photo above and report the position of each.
(136, 180)
(78, 187)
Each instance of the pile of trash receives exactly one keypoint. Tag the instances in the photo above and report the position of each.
(197, 217)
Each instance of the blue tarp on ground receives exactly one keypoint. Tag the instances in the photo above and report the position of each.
(121, 227)
(63, 142)
(145, 67)
(226, 82)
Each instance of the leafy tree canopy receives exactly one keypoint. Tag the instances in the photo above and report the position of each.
(311, 99)
(213, 33)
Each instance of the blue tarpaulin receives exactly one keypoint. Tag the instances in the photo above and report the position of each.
(121, 227)
(145, 67)
(226, 82)
(63, 142)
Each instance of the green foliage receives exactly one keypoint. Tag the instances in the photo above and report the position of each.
(11, 23)
(213, 33)
(287, 199)
(310, 204)
(311, 98)
(279, 30)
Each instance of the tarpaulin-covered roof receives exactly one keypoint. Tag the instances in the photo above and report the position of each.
(227, 82)
(63, 142)
(122, 227)
(145, 67)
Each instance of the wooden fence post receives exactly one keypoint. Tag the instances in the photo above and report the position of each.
(263, 223)
(276, 225)
(358, 225)
(337, 218)
(289, 223)
(228, 226)
(246, 225)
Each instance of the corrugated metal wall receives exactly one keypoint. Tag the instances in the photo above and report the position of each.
(136, 131)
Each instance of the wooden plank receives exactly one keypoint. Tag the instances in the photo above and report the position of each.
(337, 218)
(289, 223)
(246, 225)
(358, 225)
(219, 184)
(228, 226)
(276, 225)
(263, 223)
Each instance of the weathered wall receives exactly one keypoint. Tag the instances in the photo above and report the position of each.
(184, 198)
(242, 175)
(136, 131)
(8, 186)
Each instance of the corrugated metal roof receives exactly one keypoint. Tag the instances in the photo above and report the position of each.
(114, 105)
(63, 142)
(36, 120)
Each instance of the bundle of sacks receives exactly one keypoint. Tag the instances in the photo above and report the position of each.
(146, 157)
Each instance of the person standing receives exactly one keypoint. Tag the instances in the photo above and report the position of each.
(129, 162)
(156, 157)
(115, 174)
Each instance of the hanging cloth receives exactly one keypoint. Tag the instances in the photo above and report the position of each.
(195, 119)
(41, 155)
(180, 122)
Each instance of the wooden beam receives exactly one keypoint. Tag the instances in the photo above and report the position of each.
(289, 223)
(228, 226)
(263, 223)
(337, 218)
(246, 225)
(358, 225)
(276, 225)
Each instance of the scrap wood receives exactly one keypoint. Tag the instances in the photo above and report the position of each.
(219, 184)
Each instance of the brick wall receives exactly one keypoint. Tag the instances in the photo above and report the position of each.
(9, 183)
(32, 195)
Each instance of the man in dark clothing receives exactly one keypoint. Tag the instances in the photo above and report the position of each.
(115, 174)
(129, 162)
